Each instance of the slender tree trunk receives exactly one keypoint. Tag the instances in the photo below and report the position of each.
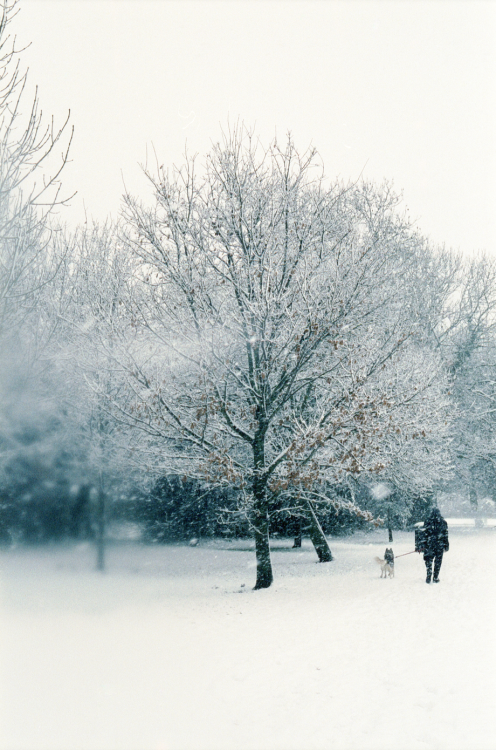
(262, 549)
(261, 519)
(390, 530)
(100, 526)
(473, 498)
(317, 536)
(297, 539)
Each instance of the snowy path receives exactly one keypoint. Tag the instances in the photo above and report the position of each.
(167, 651)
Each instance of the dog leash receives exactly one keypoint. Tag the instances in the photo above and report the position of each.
(405, 553)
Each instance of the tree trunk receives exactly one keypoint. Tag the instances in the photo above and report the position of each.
(100, 527)
(473, 498)
(261, 513)
(390, 530)
(262, 550)
(297, 539)
(317, 536)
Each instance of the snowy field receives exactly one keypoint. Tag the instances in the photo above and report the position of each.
(170, 649)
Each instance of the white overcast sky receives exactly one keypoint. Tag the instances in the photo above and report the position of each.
(396, 89)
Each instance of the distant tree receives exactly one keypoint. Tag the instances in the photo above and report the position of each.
(176, 508)
(93, 329)
(274, 329)
(468, 345)
(28, 193)
(35, 487)
(33, 154)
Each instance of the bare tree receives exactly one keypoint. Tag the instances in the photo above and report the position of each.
(468, 345)
(274, 311)
(92, 331)
(30, 169)
(32, 156)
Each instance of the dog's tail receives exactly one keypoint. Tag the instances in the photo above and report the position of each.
(378, 560)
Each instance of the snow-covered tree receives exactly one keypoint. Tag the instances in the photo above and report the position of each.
(33, 153)
(275, 328)
(92, 333)
(466, 340)
(30, 169)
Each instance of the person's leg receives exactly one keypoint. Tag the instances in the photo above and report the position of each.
(428, 566)
(437, 566)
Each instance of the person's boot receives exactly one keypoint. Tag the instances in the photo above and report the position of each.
(428, 570)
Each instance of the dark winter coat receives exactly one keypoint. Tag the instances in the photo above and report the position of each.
(435, 534)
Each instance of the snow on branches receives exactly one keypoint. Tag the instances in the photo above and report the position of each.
(283, 307)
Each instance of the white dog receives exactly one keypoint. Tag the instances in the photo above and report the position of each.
(387, 565)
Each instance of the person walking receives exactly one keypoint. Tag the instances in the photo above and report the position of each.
(435, 544)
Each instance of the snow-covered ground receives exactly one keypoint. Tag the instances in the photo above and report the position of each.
(171, 649)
